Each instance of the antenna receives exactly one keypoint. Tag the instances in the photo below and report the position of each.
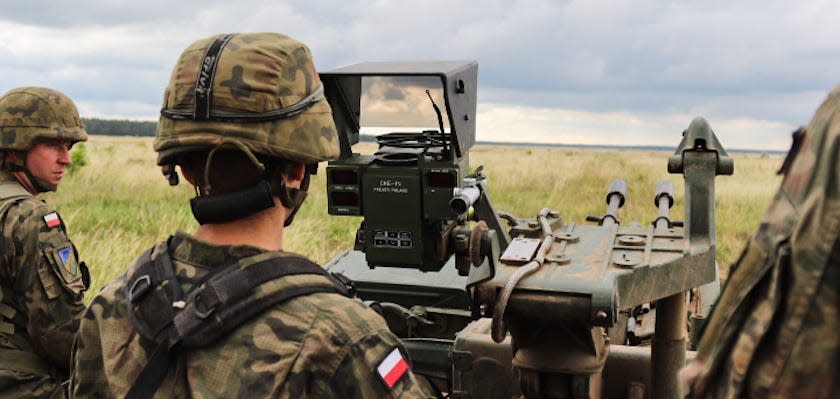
(439, 118)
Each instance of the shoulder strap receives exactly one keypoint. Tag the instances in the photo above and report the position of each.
(158, 312)
(10, 192)
(12, 189)
(151, 291)
(228, 297)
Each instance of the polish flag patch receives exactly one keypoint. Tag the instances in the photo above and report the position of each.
(52, 220)
(392, 368)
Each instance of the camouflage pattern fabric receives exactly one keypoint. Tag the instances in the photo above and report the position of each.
(41, 290)
(774, 330)
(256, 72)
(321, 345)
(29, 114)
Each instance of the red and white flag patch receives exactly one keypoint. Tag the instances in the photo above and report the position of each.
(392, 368)
(52, 220)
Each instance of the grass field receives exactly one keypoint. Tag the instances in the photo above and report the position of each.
(119, 204)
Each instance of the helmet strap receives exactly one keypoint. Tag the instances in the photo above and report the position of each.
(227, 140)
(40, 184)
(24, 180)
(293, 198)
(209, 208)
(228, 207)
(15, 162)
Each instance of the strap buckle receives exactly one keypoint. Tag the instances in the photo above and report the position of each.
(348, 285)
(137, 290)
(205, 302)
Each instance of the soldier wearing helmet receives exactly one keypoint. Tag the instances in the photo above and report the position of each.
(226, 312)
(42, 282)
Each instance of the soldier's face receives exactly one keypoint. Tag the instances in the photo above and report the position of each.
(48, 159)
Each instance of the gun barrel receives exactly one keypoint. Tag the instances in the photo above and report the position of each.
(664, 200)
(615, 200)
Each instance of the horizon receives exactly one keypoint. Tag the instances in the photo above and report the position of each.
(368, 137)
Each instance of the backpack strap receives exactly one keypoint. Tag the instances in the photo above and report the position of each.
(10, 193)
(159, 313)
(228, 297)
(151, 292)
(11, 188)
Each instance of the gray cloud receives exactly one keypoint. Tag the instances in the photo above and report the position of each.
(764, 61)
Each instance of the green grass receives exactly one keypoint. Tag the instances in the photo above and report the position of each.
(119, 204)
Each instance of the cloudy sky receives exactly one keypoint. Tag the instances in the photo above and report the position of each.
(580, 71)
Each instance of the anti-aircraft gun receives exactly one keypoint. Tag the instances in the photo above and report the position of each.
(490, 305)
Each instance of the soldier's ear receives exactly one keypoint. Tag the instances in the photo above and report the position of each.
(188, 176)
(182, 160)
(295, 175)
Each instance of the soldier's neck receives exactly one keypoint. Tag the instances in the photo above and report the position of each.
(263, 229)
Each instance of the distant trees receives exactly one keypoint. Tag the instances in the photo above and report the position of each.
(115, 127)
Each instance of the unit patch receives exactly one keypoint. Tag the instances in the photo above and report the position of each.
(64, 257)
(65, 264)
(52, 220)
(392, 368)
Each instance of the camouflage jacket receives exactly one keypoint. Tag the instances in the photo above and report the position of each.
(774, 330)
(41, 290)
(321, 345)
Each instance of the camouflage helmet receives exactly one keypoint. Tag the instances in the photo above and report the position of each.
(30, 114)
(254, 91)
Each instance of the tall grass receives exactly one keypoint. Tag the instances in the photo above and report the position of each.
(119, 203)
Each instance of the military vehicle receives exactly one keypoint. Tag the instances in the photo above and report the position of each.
(492, 305)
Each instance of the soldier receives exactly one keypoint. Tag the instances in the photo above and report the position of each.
(225, 312)
(774, 330)
(42, 283)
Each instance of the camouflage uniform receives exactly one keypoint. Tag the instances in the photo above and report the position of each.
(774, 330)
(267, 99)
(316, 346)
(41, 280)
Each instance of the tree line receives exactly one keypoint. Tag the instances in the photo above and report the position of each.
(124, 127)
(119, 127)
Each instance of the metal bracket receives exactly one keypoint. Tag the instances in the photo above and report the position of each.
(699, 137)
(699, 158)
